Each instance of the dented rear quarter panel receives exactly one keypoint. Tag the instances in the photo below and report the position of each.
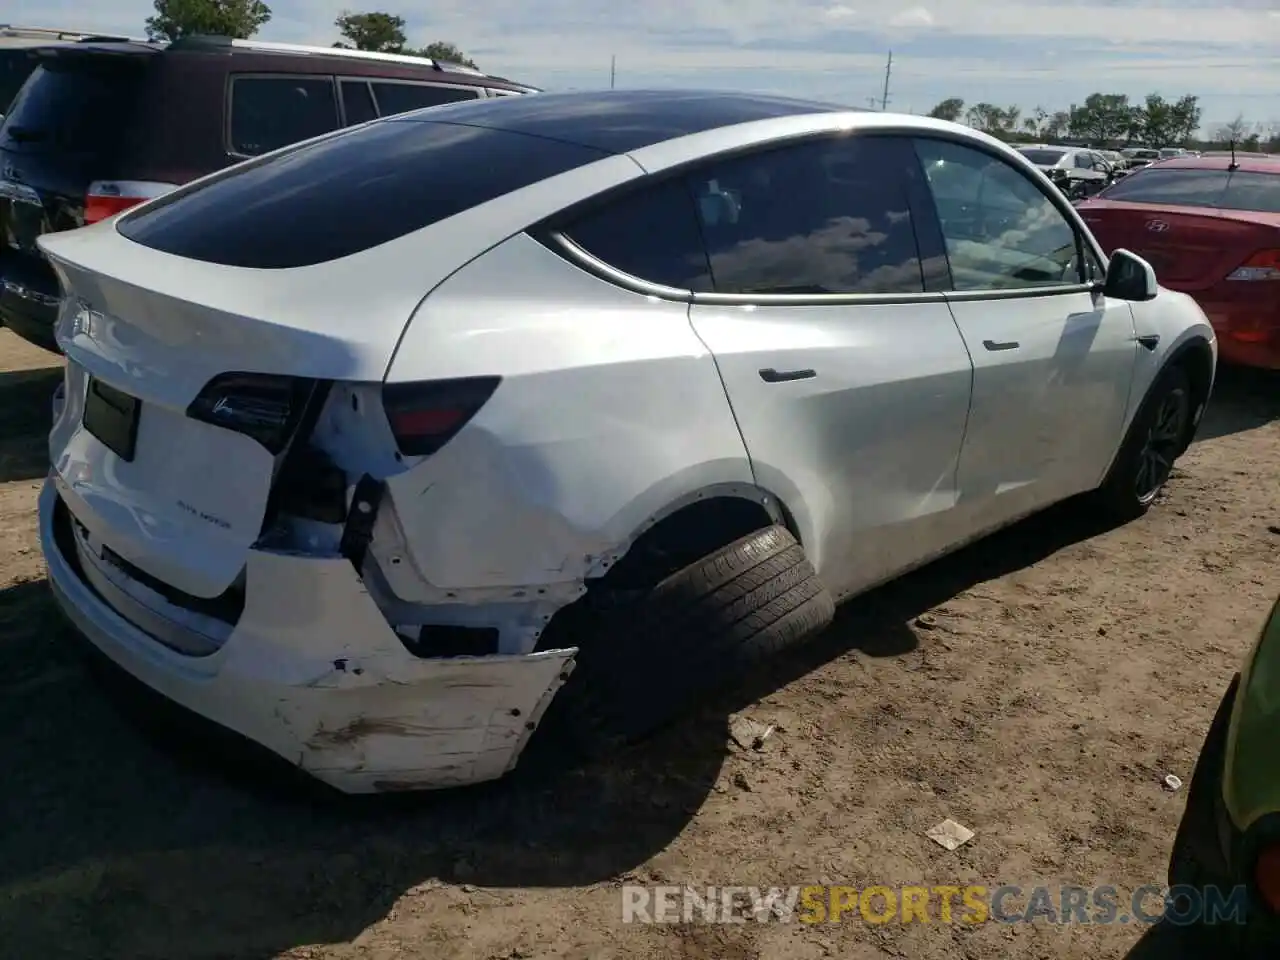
(610, 412)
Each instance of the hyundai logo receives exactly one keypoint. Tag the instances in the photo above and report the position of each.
(1157, 226)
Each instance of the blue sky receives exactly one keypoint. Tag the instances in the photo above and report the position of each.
(1026, 52)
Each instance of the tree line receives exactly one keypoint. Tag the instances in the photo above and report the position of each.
(1110, 120)
(377, 31)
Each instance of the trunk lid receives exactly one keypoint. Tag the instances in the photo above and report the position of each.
(66, 128)
(1191, 248)
(187, 498)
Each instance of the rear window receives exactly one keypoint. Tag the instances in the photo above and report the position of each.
(78, 107)
(1044, 158)
(355, 190)
(1170, 187)
(272, 112)
(15, 67)
(1248, 190)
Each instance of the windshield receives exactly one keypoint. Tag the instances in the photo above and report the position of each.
(1044, 158)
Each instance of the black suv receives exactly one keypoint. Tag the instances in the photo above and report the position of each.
(100, 126)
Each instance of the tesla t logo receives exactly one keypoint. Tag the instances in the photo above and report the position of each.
(1157, 226)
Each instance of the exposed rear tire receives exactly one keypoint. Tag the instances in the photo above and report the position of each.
(644, 659)
(1156, 438)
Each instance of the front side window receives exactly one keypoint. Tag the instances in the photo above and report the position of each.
(1171, 186)
(651, 234)
(827, 216)
(396, 98)
(1084, 161)
(1001, 231)
(272, 112)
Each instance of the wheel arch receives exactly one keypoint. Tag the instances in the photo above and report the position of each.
(690, 527)
(1195, 357)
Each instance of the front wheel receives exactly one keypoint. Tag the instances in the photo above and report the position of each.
(1156, 438)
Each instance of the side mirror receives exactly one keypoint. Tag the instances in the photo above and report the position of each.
(1129, 277)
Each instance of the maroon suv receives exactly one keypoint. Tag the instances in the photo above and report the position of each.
(101, 126)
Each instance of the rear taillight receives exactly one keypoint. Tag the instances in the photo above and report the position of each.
(1266, 876)
(265, 407)
(1263, 265)
(106, 198)
(425, 416)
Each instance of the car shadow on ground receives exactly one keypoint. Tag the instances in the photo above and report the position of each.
(1243, 399)
(26, 413)
(1165, 941)
(131, 836)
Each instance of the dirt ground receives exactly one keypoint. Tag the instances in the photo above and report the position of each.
(1036, 687)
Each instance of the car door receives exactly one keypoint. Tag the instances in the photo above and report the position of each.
(1053, 358)
(846, 373)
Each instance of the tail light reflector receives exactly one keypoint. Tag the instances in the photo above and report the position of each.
(425, 416)
(262, 406)
(106, 198)
(1263, 265)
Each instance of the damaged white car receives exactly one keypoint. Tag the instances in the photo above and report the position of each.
(373, 448)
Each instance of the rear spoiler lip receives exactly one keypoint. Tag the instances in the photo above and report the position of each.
(89, 49)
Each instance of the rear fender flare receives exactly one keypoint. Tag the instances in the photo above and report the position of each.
(772, 505)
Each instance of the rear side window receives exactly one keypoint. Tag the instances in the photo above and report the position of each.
(651, 234)
(346, 193)
(1248, 190)
(272, 112)
(79, 107)
(357, 102)
(402, 97)
(823, 217)
(1181, 188)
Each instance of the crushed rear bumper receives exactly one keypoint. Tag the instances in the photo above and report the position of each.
(313, 671)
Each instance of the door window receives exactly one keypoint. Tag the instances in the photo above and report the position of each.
(1084, 161)
(403, 97)
(272, 112)
(1001, 231)
(821, 217)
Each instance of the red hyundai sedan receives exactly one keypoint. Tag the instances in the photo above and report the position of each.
(1211, 228)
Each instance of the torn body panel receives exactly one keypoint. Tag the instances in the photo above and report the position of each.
(314, 671)
(562, 468)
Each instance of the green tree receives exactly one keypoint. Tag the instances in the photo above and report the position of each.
(381, 32)
(226, 18)
(1057, 126)
(1103, 117)
(949, 109)
(997, 121)
(1186, 121)
(444, 50)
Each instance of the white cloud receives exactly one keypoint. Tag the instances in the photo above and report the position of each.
(914, 17)
(999, 50)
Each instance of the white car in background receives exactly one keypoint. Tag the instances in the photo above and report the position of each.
(366, 444)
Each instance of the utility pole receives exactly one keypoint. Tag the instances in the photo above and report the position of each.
(613, 70)
(888, 70)
(871, 102)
